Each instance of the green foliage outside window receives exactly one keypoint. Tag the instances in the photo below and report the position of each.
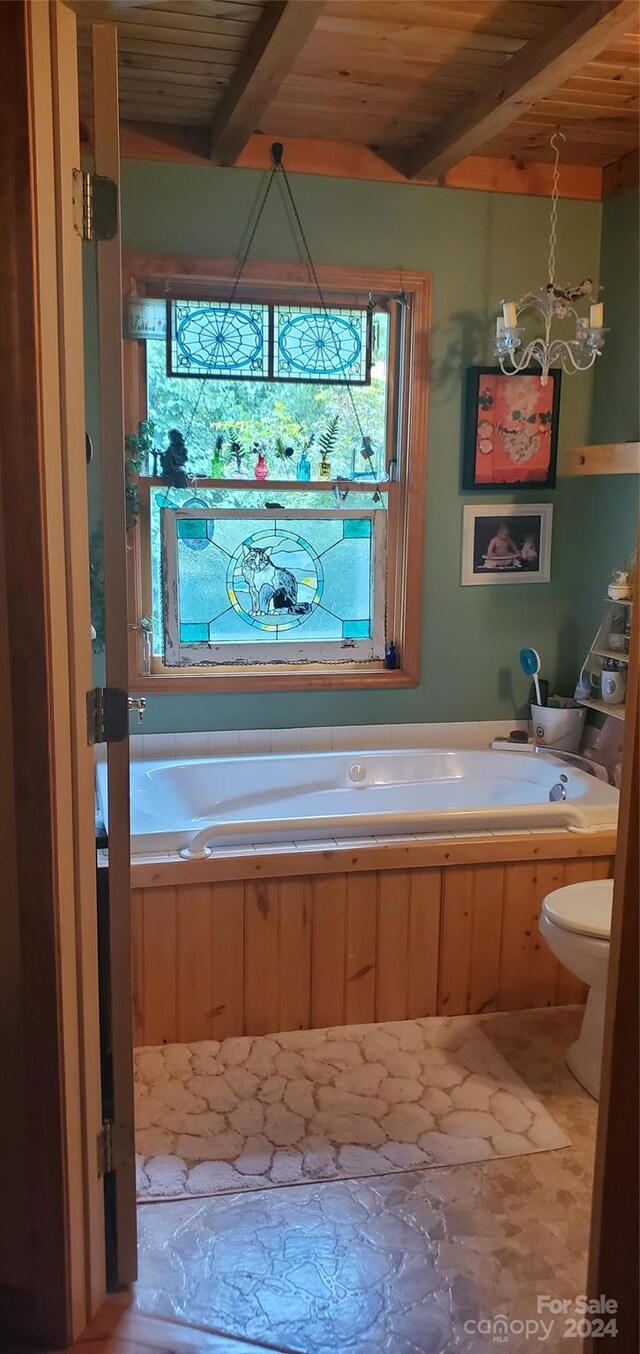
(273, 414)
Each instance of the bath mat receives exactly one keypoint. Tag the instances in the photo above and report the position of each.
(356, 1100)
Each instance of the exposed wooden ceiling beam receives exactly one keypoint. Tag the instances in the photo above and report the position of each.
(346, 160)
(529, 76)
(277, 39)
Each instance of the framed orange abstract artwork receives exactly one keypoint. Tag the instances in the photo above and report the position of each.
(510, 429)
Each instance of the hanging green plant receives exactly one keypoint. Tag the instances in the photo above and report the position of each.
(137, 448)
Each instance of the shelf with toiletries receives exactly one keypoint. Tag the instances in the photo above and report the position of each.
(617, 711)
(602, 684)
(618, 656)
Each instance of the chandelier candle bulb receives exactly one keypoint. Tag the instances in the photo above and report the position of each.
(499, 327)
(510, 314)
(596, 316)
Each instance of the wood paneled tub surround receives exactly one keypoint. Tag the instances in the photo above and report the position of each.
(254, 942)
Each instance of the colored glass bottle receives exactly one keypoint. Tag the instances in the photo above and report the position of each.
(217, 466)
(261, 469)
(303, 469)
(324, 468)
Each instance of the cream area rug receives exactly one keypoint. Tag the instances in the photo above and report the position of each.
(359, 1100)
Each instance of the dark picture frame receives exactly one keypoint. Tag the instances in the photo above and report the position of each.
(500, 450)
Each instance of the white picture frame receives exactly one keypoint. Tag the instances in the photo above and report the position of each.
(506, 543)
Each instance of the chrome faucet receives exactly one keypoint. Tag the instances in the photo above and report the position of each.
(137, 703)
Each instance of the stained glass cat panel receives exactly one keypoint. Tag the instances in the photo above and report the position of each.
(242, 588)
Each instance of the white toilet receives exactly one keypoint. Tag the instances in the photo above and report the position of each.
(576, 924)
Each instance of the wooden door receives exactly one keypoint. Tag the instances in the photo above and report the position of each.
(114, 900)
(614, 1244)
(51, 1220)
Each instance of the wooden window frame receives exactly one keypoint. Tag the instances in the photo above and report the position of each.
(170, 275)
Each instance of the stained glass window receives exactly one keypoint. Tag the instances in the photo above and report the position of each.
(321, 345)
(202, 528)
(243, 587)
(214, 339)
(211, 338)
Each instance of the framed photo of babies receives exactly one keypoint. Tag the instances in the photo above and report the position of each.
(506, 543)
(510, 430)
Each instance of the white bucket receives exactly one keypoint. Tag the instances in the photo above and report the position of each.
(558, 728)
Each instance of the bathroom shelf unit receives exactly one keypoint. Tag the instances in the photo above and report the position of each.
(612, 653)
(612, 623)
(617, 711)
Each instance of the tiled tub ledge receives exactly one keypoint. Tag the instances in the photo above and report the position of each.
(355, 737)
(263, 860)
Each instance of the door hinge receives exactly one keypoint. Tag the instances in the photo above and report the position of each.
(107, 715)
(115, 1147)
(95, 206)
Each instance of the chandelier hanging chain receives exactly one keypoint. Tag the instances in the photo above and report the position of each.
(553, 224)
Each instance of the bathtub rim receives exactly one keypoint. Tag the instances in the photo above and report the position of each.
(581, 816)
(281, 860)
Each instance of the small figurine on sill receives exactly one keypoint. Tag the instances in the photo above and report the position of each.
(173, 461)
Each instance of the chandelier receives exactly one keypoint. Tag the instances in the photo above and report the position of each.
(551, 304)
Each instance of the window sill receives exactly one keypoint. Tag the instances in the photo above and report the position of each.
(263, 679)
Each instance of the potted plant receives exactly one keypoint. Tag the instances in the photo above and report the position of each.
(236, 456)
(327, 443)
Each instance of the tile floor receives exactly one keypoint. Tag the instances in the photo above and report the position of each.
(400, 1264)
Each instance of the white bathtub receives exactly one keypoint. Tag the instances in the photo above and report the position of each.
(201, 804)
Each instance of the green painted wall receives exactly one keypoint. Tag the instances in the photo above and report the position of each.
(479, 247)
(607, 505)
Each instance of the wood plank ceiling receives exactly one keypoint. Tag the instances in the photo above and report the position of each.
(424, 82)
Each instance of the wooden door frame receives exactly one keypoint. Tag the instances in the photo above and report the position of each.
(46, 672)
(614, 1240)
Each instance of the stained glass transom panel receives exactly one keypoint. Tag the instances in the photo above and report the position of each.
(211, 338)
(321, 345)
(251, 341)
(240, 582)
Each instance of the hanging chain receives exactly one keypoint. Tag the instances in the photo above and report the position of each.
(312, 269)
(257, 208)
(553, 223)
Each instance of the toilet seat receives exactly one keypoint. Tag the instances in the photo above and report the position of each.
(584, 908)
